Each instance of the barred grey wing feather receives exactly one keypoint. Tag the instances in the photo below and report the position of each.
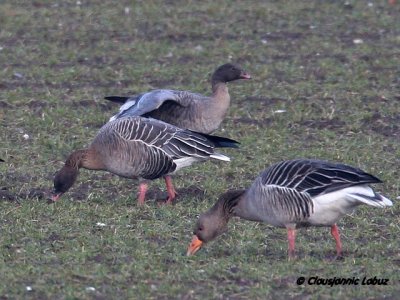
(157, 164)
(315, 177)
(144, 104)
(285, 204)
(185, 144)
(149, 131)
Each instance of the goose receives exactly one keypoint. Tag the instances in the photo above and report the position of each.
(185, 109)
(136, 147)
(293, 194)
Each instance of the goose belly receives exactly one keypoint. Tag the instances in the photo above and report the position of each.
(186, 162)
(122, 168)
(329, 208)
(126, 161)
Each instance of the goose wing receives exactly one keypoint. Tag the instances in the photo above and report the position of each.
(283, 204)
(145, 104)
(315, 177)
(176, 143)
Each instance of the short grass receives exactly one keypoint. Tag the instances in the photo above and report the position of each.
(331, 66)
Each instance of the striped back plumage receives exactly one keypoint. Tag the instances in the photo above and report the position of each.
(315, 177)
(152, 147)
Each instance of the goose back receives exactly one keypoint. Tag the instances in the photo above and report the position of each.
(149, 148)
(286, 192)
(180, 108)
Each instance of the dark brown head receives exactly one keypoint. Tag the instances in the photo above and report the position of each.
(64, 179)
(228, 72)
(214, 222)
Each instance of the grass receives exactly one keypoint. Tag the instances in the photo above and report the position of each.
(340, 97)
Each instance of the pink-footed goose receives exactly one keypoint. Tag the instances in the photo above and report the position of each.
(136, 147)
(185, 109)
(293, 194)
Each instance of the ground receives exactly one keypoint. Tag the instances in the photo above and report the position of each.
(325, 85)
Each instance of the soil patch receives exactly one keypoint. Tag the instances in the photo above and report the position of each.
(383, 125)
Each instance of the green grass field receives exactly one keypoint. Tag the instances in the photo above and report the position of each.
(333, 67)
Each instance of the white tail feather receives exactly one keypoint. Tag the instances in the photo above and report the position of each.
(377, 201)
(220, 156)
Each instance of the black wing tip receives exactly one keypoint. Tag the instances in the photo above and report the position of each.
(227, 145)
(2, 160)
(223, 142)
(117, 99)
(219, 141)
(373, 179)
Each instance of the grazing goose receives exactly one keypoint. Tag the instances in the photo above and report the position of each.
(182, 108)
(293, 194)
(135, 147)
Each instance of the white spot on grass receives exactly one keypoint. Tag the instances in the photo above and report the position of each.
(90, 289)
(264, 42)
(18, 75)
(280, 111)
(28, 288)
(358, 41)
(26, 136)
(78, 2)
(199, 48)
(127, 10)
(100, 224)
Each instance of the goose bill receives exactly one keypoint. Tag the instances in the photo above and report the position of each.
(194, 246)
(55, 197)
(245, 75)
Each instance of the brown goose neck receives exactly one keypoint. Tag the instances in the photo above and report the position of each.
(84, 158)
(218, 86)
(76, 158)
(227, 203)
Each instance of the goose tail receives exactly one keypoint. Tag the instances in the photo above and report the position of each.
(376, 199)
(220, 156)
(221, 142)
(117, 99)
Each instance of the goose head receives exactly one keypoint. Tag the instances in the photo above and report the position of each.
(229, 72)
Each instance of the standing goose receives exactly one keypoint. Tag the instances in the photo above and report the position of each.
(293, 194)
(185, 109)
(135, 147)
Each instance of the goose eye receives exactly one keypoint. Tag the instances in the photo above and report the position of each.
(233, 69)
(201, 228)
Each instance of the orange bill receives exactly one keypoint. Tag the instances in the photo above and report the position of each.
(194, 246)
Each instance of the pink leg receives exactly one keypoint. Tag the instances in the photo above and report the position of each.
(142, 193)
(336, 236)
(170, 189)
(291, 234)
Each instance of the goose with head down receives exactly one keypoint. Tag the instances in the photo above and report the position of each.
(293, 194)
(135, 147)
(185, 109)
